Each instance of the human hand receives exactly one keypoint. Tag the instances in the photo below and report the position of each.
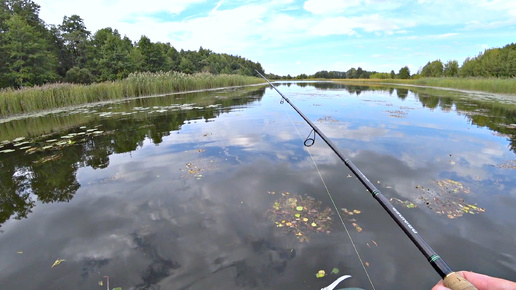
(482, 282)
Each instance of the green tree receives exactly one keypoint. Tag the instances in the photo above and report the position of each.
(186, 66)
(433, 69)
(352, 73)
(75, 41)
(27, 60)
(404, 73)
(115, 60)
(393, 74)
(451, 68)
(360, 73)
(79, 76)
(153, 55)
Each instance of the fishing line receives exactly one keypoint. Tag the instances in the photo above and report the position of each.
(330, 196)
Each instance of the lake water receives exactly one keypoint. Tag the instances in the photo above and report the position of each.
(216, 190)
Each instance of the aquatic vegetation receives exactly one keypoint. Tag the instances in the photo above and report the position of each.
(511, 164)
(445, 198)
(492, 85)
(349, 216)
(397, 114)
(405, 203)
(25, 100)
(300, 215)
(57, 262)
(47, 143)
(195, 169)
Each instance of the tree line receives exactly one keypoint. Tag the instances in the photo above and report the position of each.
(34, 53)
(494, 62)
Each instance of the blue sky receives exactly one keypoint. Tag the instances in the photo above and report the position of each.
(306, 36)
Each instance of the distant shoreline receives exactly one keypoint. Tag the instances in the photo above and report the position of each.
(486, 85)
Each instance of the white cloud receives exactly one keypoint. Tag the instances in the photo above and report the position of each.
(329, 6)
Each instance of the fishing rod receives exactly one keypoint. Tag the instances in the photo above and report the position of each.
(451, 279)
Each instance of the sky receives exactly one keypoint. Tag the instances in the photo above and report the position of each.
(306, 36)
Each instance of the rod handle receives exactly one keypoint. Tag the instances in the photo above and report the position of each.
(455, 281)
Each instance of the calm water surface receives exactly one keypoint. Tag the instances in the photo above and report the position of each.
(217, 191)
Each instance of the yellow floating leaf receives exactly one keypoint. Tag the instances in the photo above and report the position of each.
(57, 262)
(19, 252)
(356, 211)
(314, 224)
(305, 220)
(320, 274)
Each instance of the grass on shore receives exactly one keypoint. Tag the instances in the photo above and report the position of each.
(27, 100)
(490, 85)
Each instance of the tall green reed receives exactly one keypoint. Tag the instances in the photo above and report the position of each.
(51, 96)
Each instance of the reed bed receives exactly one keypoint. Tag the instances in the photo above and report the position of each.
(490, 85)
(27, 100)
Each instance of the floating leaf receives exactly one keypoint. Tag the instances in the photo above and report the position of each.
(320, 274)
(57, 262)
(356, 211)
(314, 224)
(335, 271)
(299, 212)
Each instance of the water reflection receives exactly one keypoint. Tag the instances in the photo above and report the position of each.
(174, 192)
(50, 174)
